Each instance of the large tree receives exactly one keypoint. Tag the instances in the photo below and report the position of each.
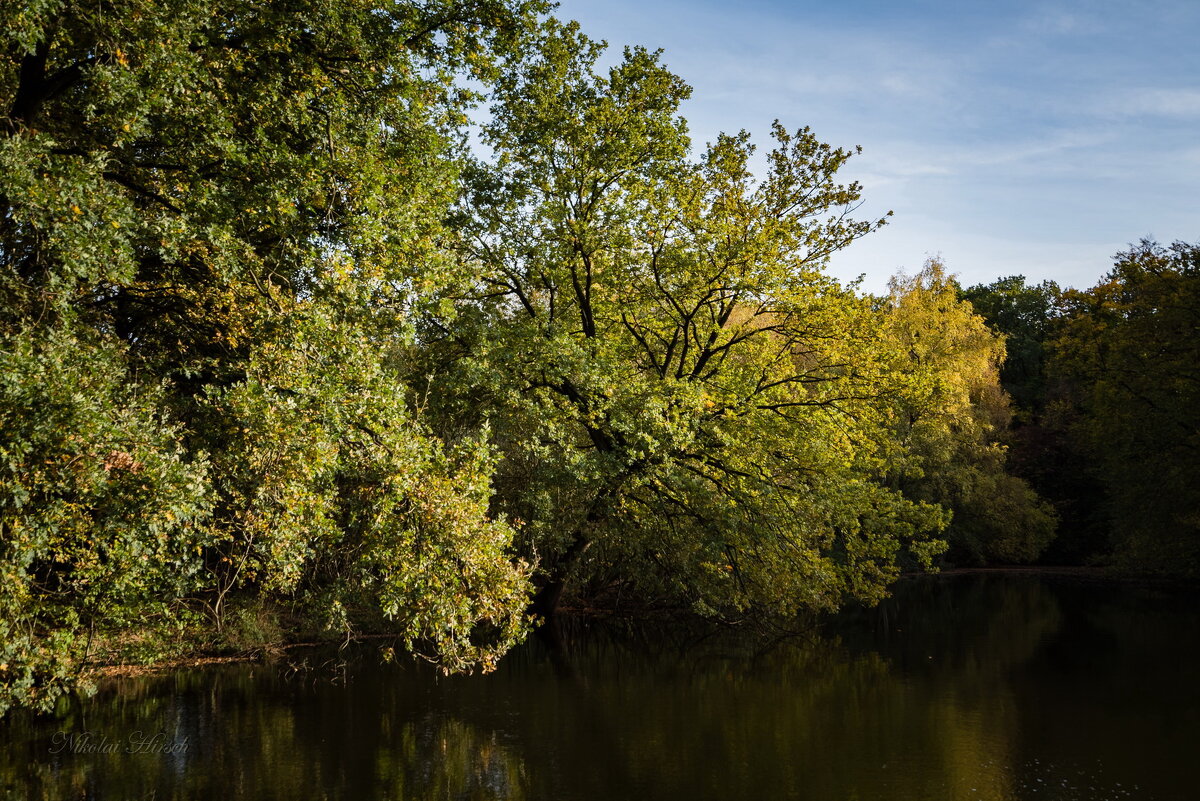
(689, 409)
(217, 221)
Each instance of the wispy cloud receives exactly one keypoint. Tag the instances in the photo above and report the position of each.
(1060, 21)
(1030, 151)
(1036, 136)
(1181, 103)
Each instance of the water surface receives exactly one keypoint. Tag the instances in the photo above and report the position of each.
(982, 686)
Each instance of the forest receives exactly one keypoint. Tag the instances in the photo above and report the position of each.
(320, 319)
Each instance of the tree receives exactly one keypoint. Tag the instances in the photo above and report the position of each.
(1040, 450)
(689, 410)
(1024, 315)
(218, 221)
(1126, 353)
(951, 414)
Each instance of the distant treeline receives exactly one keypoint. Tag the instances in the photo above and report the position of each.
(283, 355)
(1106, 387)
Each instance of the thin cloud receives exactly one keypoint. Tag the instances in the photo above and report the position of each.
(1057, 21)
(1031, 137)
(1177, 103)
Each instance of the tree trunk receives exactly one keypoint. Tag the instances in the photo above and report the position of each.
(549, 595)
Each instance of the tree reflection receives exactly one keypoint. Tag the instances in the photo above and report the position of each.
(960, 688)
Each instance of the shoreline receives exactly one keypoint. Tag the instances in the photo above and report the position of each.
(277, 650)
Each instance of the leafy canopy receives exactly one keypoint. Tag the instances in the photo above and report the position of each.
(218, 222)
(686, 404)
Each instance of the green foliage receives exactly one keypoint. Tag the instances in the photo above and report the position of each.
(272, 340)
(688, 408)
(1126, 353)
(218, 221)
(102, 513)
(1041, 450)
(1023, 314)
(951, 413)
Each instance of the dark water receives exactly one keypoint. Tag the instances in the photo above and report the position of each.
(972, 687)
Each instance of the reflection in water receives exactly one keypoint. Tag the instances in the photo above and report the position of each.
(975, 687)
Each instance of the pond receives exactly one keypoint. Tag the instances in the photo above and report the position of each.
(981, 686)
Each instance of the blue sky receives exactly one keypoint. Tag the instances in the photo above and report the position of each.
(1033, 138)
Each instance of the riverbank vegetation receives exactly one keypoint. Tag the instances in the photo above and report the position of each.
(291, 347)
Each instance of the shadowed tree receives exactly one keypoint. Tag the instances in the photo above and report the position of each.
(1127, 353)
(1024, 314)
